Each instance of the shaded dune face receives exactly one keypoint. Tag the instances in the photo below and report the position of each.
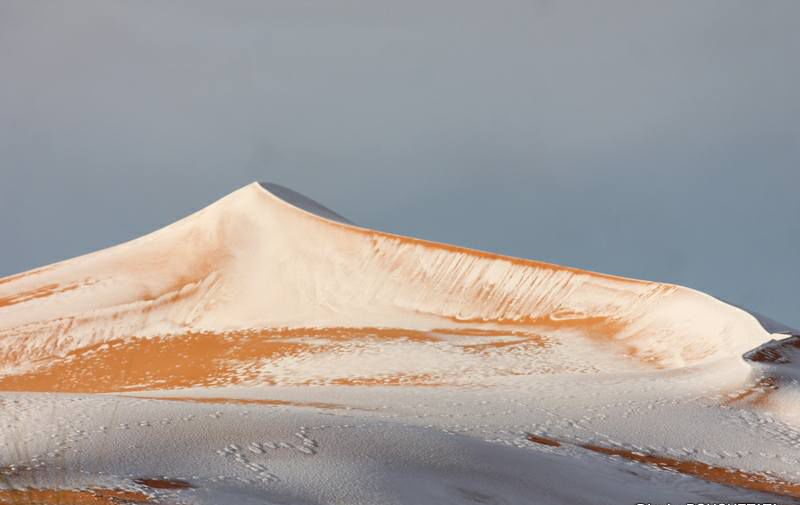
(776, 371)
(219, 289)
(777, 352)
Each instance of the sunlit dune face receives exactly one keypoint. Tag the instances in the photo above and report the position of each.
(194, 359)
(20, 276)
(753, 481)
(600, 329)
(214, 270)
(501, 287)
(223, 359)
(509, 305)
(594, 327)
(176, 262)
(72, 497)
(223, 268)
(373, 234)
(41, 292)
(418, 380)
(345, 333)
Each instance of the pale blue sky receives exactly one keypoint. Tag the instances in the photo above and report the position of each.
(658, 140)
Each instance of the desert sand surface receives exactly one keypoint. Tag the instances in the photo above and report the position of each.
(267, 350)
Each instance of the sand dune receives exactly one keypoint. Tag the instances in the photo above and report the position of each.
(267, 350)
(266, 258)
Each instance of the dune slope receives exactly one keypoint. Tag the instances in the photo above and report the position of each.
(265, 259)
(267, 350)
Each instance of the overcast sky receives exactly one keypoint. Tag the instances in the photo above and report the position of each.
(658, 140)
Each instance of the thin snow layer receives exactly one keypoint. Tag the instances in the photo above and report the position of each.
(254, 260)
(372, 361)
(404, 445)
(264, 350)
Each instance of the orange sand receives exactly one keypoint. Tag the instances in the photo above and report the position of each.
(71, 497)
(754, 481)
(211, 359)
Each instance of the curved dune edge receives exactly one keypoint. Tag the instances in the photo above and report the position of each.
(255, 262)
(92, 496)
(734, 477)
(98, 496)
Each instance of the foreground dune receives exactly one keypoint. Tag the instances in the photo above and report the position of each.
(310, 360)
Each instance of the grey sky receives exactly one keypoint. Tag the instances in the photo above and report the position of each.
(658, 140)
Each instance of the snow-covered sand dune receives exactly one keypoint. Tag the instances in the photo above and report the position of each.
(282, 353)
(254, 262)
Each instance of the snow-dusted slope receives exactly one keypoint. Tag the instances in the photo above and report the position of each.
(267, 350)
(266, 257)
